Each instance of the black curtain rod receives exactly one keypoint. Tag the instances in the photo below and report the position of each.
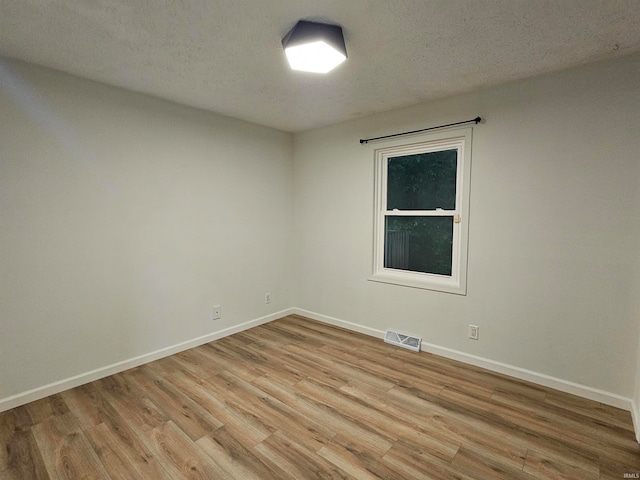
(475, 120)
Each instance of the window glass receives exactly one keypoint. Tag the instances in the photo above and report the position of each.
(419, 244)
(425, 181)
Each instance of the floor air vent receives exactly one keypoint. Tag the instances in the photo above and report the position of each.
(402, 340)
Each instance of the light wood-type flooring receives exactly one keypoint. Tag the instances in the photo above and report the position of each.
(297, 399)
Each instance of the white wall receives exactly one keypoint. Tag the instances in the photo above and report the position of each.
(635, 308)
(635, 407)
(123, 220)
(554, 176)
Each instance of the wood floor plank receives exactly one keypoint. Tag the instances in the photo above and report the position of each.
(197, 363)
(299, 399)
(345, 370)
(175, 404)
(628, 454)
(139, 412)
(595, 429)
(291, 336)
(443, 375)
(485, 467)
(360, 465)
(181, 457)
(66, 452)
(86, 405)
(293, 461)
(389, 428)
(340, 337)
(268, 360)
(111, 434)
(263, 336)
(543, 467)
(47, 407)
(307, 431)
(389, 369)
(416, 464)
(440, 425)
(358, 421)
(234, 456)
(527, 430)
(306, 366)
(111, 454)
(205, 394)
(610, 415)
(347, 421)
(276, 364)
(23, 458)
(614, 470)
(225, 360)
(16, 419)
(319, 335)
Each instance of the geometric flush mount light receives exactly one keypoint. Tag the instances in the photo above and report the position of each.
(314, 47)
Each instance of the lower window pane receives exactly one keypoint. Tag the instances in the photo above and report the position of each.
(419, 244)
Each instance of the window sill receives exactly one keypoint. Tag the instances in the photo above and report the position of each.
(420, 280)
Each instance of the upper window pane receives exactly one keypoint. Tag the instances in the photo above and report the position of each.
(423, 181)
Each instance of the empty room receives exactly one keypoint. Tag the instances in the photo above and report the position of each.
(419, 259)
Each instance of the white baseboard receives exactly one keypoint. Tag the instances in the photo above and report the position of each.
(635, 416)
(355, 327)
(494, 366)
(566, 386)
(72, 382)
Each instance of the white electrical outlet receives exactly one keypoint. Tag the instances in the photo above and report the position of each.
(267, 298)
(217, 312)
(473, 332)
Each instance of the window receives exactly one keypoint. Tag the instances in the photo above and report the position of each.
(421, 216)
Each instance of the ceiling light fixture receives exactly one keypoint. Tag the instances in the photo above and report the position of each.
(314, 47)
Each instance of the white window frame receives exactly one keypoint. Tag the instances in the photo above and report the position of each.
(459, 139)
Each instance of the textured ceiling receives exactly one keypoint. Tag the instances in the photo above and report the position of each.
(226, 56)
